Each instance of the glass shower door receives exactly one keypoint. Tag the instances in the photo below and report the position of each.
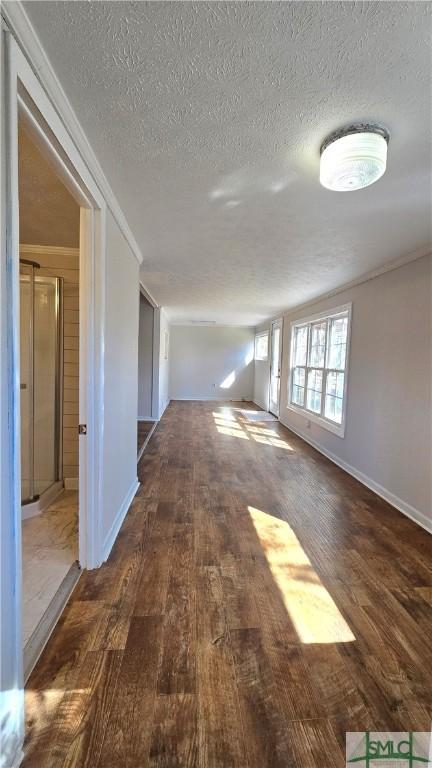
(46, 382)
(40, 355)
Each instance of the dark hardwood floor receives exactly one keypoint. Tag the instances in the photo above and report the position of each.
(258, 603)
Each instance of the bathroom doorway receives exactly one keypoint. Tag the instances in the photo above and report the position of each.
(49, 392)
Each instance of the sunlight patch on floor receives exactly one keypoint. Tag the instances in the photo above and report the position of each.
(311, 608)
(232, 432)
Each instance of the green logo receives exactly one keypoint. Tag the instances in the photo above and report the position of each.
(405, 749)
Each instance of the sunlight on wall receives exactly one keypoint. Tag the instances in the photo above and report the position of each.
(313, 612)
(229, 381)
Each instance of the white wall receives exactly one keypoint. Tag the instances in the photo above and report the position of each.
(164, 361)
(145, 359)
(387, 440)
(121, 379)
(203, 358)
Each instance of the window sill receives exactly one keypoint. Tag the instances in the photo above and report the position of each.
(336, 429)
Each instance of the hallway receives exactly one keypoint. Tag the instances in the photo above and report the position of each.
(246, 616)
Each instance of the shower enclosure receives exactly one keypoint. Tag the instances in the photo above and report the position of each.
(41, 382)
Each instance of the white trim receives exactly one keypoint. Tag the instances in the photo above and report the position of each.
(323, 315)
(164, 407)
(210, 398)
(22, 29)
(260, 405)
(403, 506)
(147, 295)
(147, 440)
(278, 322)
(71, 483)
(419, 253)
(24, 94)
(330, 426)
(120, 516)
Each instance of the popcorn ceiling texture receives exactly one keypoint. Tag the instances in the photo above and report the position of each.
(207, 119)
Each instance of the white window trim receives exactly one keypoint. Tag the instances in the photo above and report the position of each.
(257, 336)
(331, 426)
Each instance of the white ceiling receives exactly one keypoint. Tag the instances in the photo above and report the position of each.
(207, 119)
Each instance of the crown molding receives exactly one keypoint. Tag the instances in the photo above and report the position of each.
(147, 295)
(420, 253)
(24, 33)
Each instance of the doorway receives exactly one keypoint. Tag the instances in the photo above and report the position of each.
(275, 366)
(49, 234)
(146, 418)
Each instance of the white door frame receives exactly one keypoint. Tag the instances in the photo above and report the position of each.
(278, 322)
(23, 95)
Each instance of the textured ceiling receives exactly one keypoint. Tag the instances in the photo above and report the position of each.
(48, 213)
(207, 119)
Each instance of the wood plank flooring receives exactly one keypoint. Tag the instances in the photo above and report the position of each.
(258, 603)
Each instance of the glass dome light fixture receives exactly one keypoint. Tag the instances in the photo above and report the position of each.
(354, 157)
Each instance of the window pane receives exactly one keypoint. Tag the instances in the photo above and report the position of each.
(298, 395)
(335, 384)
(314, 391)
(261, 346)
(318, 343)
(334, 396)
(299, 375)
(300, 345)
(333, 408)
(337, 342)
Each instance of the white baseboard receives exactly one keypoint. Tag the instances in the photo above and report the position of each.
(163, 409)
(146, 441)
(71, 483)
(406, 509)
(146, 418)
(121, 514)
(216, 398)
(260, 405)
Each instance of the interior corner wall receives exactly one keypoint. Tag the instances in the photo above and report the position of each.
(211, 362)
(262, 373)
(145, 359)
(388, 436)
(121, 380)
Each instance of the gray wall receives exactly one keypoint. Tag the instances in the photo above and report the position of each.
(203, 358)
(145, 359)
(388, 428)
(121, 374)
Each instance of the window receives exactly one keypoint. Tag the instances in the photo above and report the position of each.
(319, 368)
(261, 346)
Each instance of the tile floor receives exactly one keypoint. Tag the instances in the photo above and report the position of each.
(50, 547)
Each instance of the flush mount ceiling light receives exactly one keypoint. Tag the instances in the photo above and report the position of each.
(354, 157)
